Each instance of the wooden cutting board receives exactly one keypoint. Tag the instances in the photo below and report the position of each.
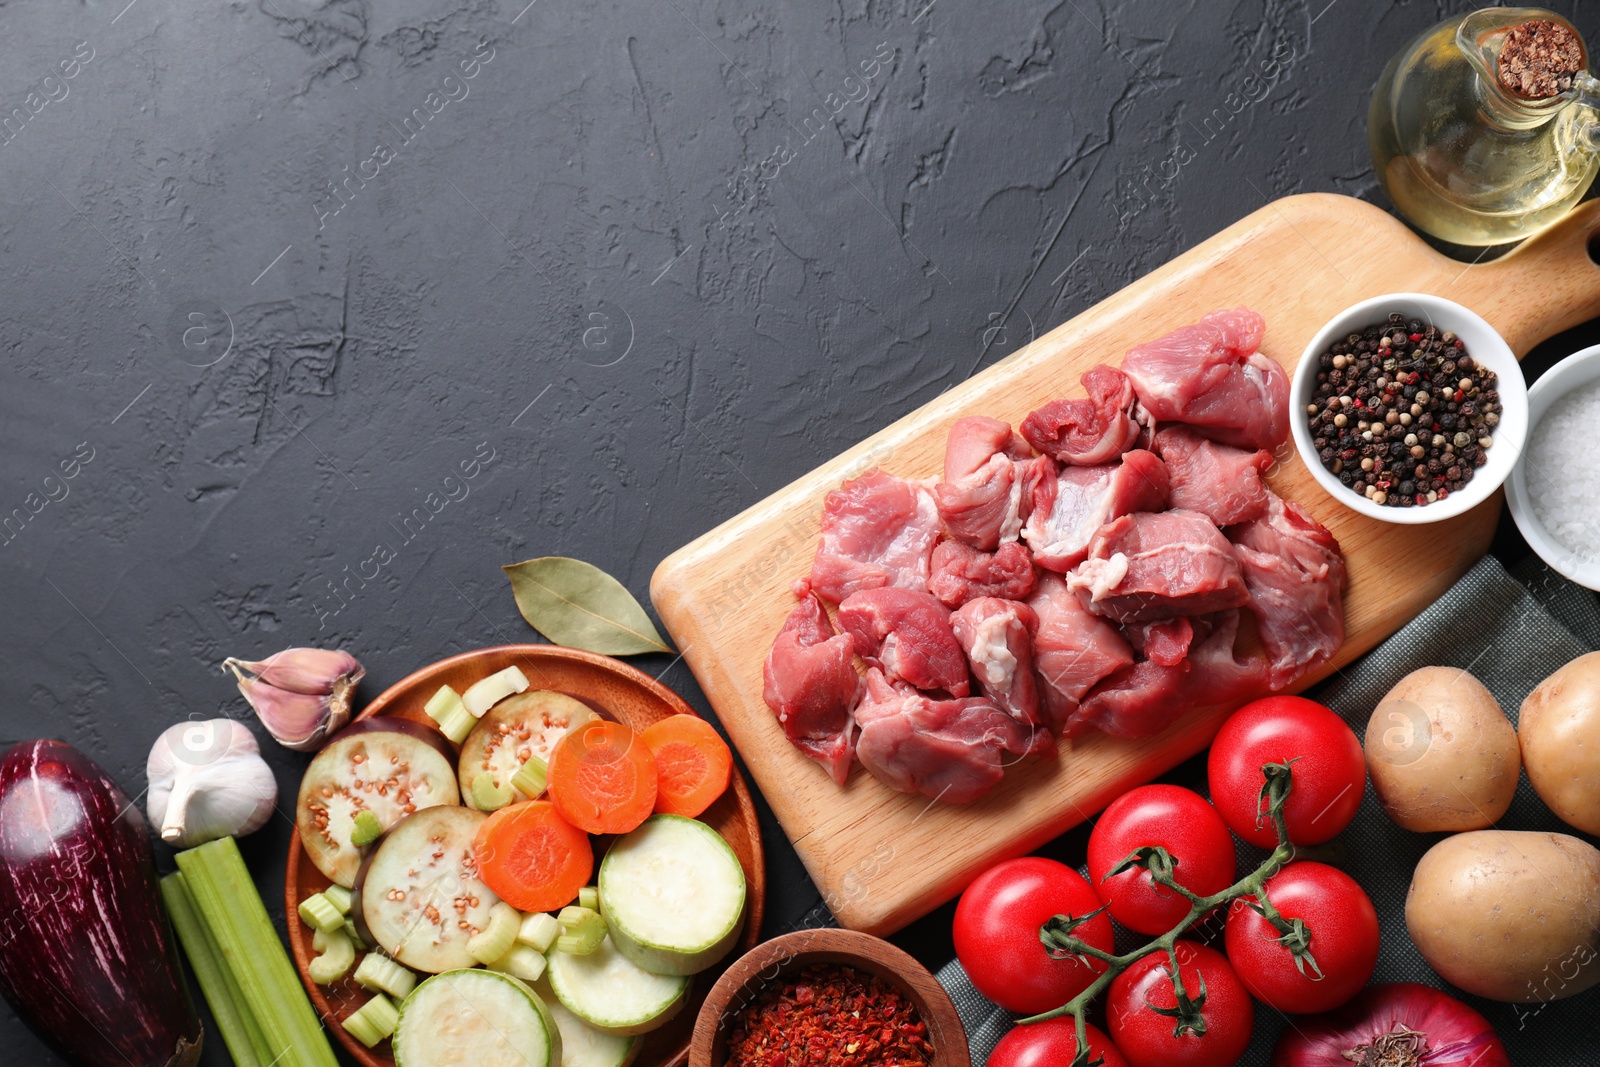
(883, 858)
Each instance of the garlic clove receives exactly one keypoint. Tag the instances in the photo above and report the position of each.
(315, 671)
(300, 721)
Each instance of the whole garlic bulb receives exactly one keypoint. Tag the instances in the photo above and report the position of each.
(207, 780)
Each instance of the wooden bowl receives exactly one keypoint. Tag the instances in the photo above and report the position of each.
(626, 695)
(777, 957)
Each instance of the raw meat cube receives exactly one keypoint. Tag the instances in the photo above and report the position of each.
(907, 635)
(811, 684)
(877, 530)
(1149, 566)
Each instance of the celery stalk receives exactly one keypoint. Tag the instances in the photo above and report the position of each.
(229, 905)
(239, 1031)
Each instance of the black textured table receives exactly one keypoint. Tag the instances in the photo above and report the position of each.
(274, 271)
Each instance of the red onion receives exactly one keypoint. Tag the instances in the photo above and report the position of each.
(1398, 1025)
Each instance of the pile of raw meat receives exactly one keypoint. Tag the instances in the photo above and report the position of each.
(1088, 572)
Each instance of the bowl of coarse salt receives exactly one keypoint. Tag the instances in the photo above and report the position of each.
(1554, 490)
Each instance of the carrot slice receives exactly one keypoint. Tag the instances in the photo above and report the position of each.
(531, 857)
(693, 764)
(603, 778)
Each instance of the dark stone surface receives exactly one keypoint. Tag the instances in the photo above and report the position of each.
(655, 260)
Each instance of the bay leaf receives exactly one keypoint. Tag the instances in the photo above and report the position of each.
(577, 604)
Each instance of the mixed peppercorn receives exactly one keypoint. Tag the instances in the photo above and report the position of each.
(832, 1016)
(1402, 413)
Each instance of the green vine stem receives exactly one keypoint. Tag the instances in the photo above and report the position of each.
(1057, 932)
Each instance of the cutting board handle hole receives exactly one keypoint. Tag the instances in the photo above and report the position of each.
(1594, 247)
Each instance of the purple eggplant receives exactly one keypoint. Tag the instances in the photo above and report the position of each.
(86, 956)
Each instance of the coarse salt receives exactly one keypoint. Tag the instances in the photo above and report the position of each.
(1566, 494)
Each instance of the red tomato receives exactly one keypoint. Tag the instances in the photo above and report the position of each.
(1052, 1044)
(1344, 939)
(1180, 821)
(1147, 1038)
(997, 934)
(1329, 773)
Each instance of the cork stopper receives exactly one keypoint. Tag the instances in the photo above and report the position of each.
(1539, 59)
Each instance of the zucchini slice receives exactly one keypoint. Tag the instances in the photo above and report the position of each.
(389, 767)
(515, 729)
(475, 1018)
(672, 893)
(584, 1046)
(420, 897)
(607, 991)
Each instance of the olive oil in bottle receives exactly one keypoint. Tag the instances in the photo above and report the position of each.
(1486, 129)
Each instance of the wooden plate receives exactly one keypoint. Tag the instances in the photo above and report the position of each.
(630, 697)
(761, 965)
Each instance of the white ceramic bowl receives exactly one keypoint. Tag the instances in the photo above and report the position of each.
(1577, 370)
(1483, 344)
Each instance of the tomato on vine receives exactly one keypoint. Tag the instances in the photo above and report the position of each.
(1172, 818)
(996, 933)
(1207, 1025)
(1052, 1044)
(1330, 773)
(1330, 919)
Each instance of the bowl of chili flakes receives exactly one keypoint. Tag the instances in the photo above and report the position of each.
(828, 998)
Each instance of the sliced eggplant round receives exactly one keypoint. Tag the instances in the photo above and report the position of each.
(419, 897)
(476, 1018)
(390, 767)
(673, 895)
(515, 730)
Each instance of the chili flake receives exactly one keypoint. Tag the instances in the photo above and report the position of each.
(827, 1015)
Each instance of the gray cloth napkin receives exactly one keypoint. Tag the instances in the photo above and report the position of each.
(1509, 631)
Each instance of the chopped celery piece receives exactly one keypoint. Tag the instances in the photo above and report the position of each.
(365, 830)
(523, 962)
(454, 720)
(354, 935)
(337, 956)
(497, 936)
(489, 795)
(582, 930)
(320, 913)
(340, 897)
(380, 974)
(532, 778)
(589, 897)
(487, 692)
(230, 908)
(441, 702)
(539, 931)
(373, 1021)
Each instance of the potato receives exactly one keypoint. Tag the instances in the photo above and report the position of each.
(1441, 753)
(1509, 914)
(1559, 729)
